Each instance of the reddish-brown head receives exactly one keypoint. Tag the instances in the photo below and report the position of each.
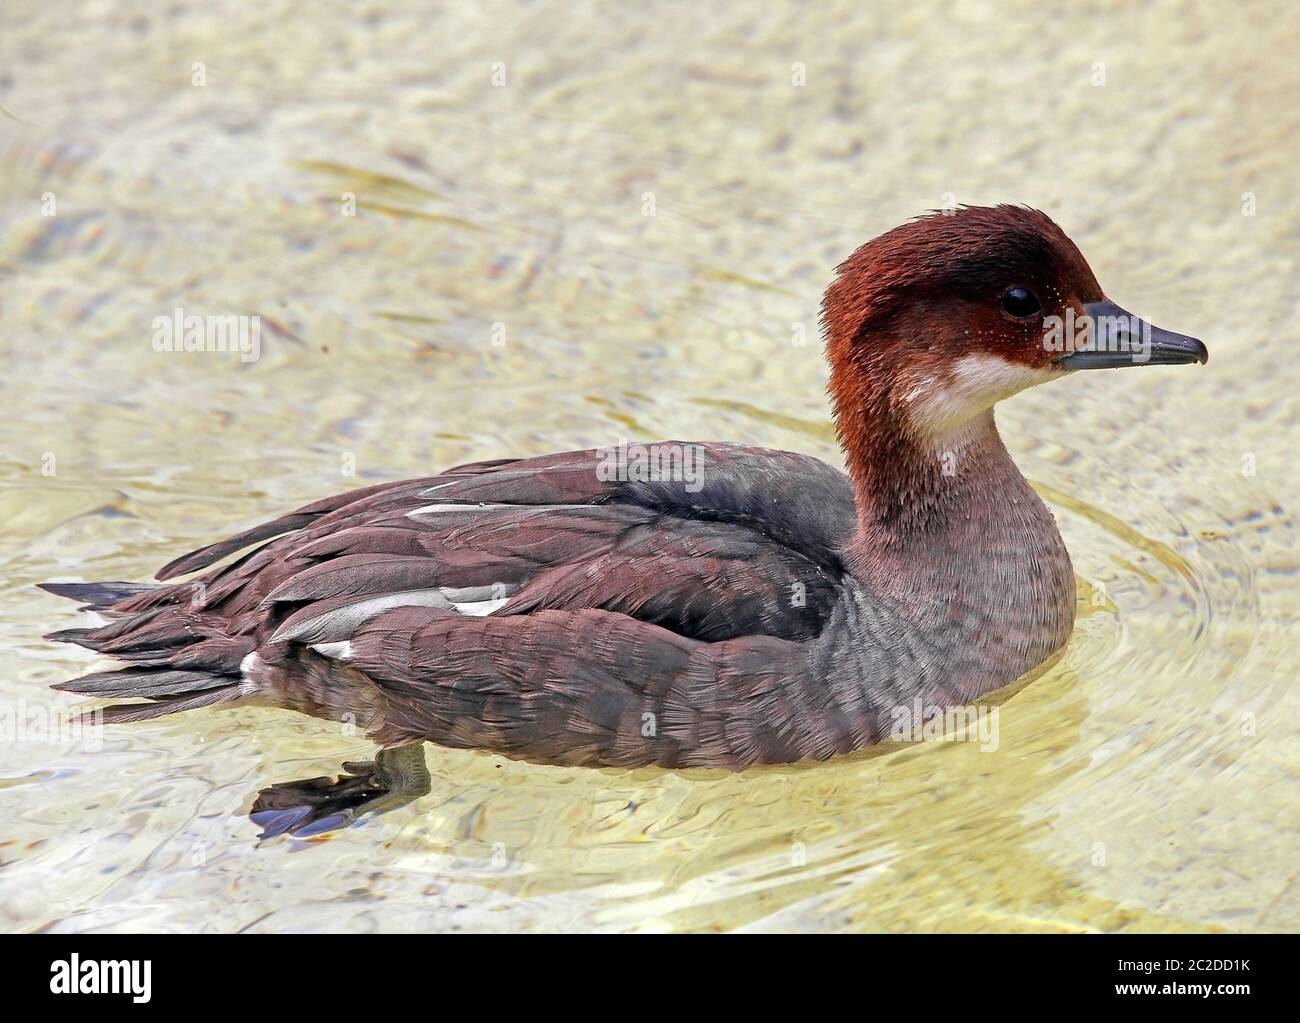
(932, 323)
(949, 283)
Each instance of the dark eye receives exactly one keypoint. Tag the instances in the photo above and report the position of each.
(1020, 302)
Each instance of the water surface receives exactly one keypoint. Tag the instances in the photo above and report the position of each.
(501, 291)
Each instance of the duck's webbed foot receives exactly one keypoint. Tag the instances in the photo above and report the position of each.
(365, 790)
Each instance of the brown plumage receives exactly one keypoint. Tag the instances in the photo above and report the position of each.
(771, 609)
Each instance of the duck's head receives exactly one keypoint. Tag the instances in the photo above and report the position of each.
(932, 323)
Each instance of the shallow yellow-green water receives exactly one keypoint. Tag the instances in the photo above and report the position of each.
(501, 291)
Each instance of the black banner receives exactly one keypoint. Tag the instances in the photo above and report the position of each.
(331, 972)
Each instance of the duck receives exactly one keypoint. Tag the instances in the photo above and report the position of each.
(677, 604)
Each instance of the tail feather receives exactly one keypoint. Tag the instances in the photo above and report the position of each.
(182, 662)
(207, 556)
(154, 684)
(81, 637)
(97, 596)
(121, 713)
(159, 632)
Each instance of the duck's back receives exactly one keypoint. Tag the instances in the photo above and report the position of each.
(587, 607)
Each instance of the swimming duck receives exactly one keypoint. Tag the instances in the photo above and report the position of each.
(595, 608)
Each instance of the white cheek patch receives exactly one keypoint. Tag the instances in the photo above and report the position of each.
(974, 385)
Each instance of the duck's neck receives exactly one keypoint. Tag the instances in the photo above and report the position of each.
(953, 537)
(914, 489)
(915, 481)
